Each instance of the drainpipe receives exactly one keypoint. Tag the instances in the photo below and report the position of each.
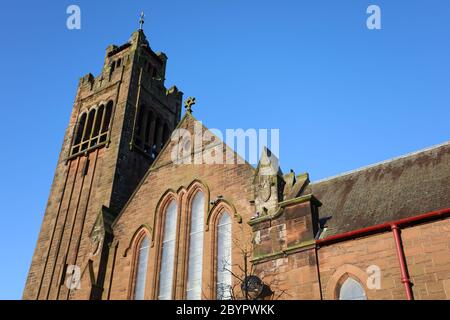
(402, 261)
(433, 215)
(393, 226)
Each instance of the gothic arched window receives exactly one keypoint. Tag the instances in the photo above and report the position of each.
(195, 255)
(106, 122)
(88, 129)
(79, 133)
(141, 269)
(351, 289)
(223, 276)
(97, 125)
(166, 269)
(145, 130)
(92, 128)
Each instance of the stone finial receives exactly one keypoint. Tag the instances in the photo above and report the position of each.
(268, 183)
(189, 103)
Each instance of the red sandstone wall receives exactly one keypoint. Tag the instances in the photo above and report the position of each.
(427, 251)
(233, 182)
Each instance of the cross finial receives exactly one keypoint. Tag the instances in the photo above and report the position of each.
(189, 103)
(142, 20)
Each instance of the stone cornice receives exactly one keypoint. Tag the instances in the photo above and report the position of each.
(284, 204)
(302, 246)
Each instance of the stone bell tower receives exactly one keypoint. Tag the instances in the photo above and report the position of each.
(120, 120)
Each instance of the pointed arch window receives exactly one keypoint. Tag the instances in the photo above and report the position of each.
(352, 290)
(88, 129)
(168, 252)
(97, 125)
(79, 133)
(195, 258)
(141, 269)
(145, 129)
(106, 122)
(92, 128)
(223, 276)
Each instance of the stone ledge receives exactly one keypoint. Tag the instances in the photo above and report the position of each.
(302, 246)
(284, 204)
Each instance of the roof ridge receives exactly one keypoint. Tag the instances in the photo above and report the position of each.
(346, 173)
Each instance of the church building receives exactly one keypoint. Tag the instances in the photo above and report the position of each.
(126, 221)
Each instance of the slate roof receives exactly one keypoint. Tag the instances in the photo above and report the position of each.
(406, 186)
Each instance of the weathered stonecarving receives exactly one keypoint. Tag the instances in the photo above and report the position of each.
(121, 211)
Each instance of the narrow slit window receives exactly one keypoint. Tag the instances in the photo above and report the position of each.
(88, 130)
(88, 127)
(106, 123)
(79, 133)
(97, 125)
(98, 121)
(107, 119)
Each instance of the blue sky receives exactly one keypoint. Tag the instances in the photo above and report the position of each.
(342, 96)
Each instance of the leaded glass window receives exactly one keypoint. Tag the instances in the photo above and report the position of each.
(352, 290)
(168, 253)
(141, 269)
(223, 281)
(195, 262)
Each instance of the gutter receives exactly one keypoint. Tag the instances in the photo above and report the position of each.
(395, 227)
